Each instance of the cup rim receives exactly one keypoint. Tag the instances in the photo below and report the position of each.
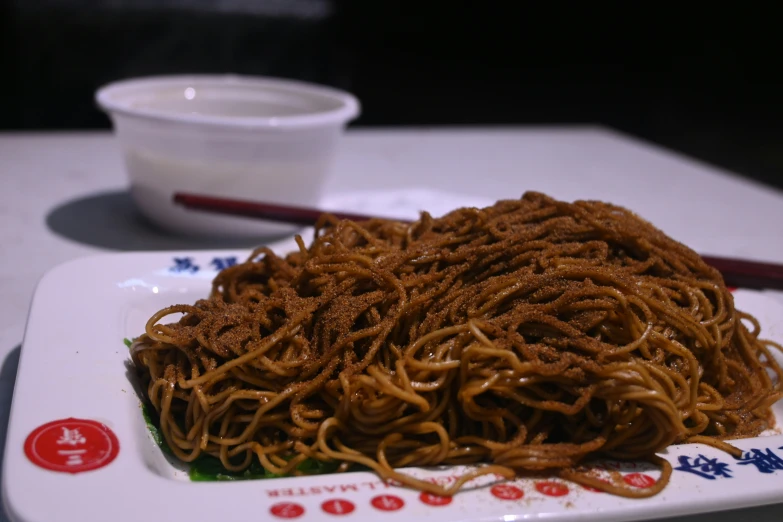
(110, 99)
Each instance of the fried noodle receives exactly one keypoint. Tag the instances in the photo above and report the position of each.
(530, 335)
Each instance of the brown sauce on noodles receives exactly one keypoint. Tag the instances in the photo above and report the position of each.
(530, 335)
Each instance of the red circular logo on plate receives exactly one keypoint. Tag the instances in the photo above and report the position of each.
(639, 480)
(287, 510)
(387, 502)
(507, 492)
(72, 445)
(552, 489)
(338, 507)
(434, 500)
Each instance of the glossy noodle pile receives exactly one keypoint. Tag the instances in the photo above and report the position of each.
(530, 335)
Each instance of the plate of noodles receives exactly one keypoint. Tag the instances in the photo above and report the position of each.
(530, 359)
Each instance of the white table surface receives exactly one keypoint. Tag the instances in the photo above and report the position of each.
(62, 196)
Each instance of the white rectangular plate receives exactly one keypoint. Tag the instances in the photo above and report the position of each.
(74, 364)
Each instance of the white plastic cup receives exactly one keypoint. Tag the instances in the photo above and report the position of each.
(249, 138)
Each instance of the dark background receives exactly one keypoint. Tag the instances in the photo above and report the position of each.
(703, 81)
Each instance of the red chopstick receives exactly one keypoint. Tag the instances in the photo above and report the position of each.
(736, 272)
(268, 211)
(742, 273)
